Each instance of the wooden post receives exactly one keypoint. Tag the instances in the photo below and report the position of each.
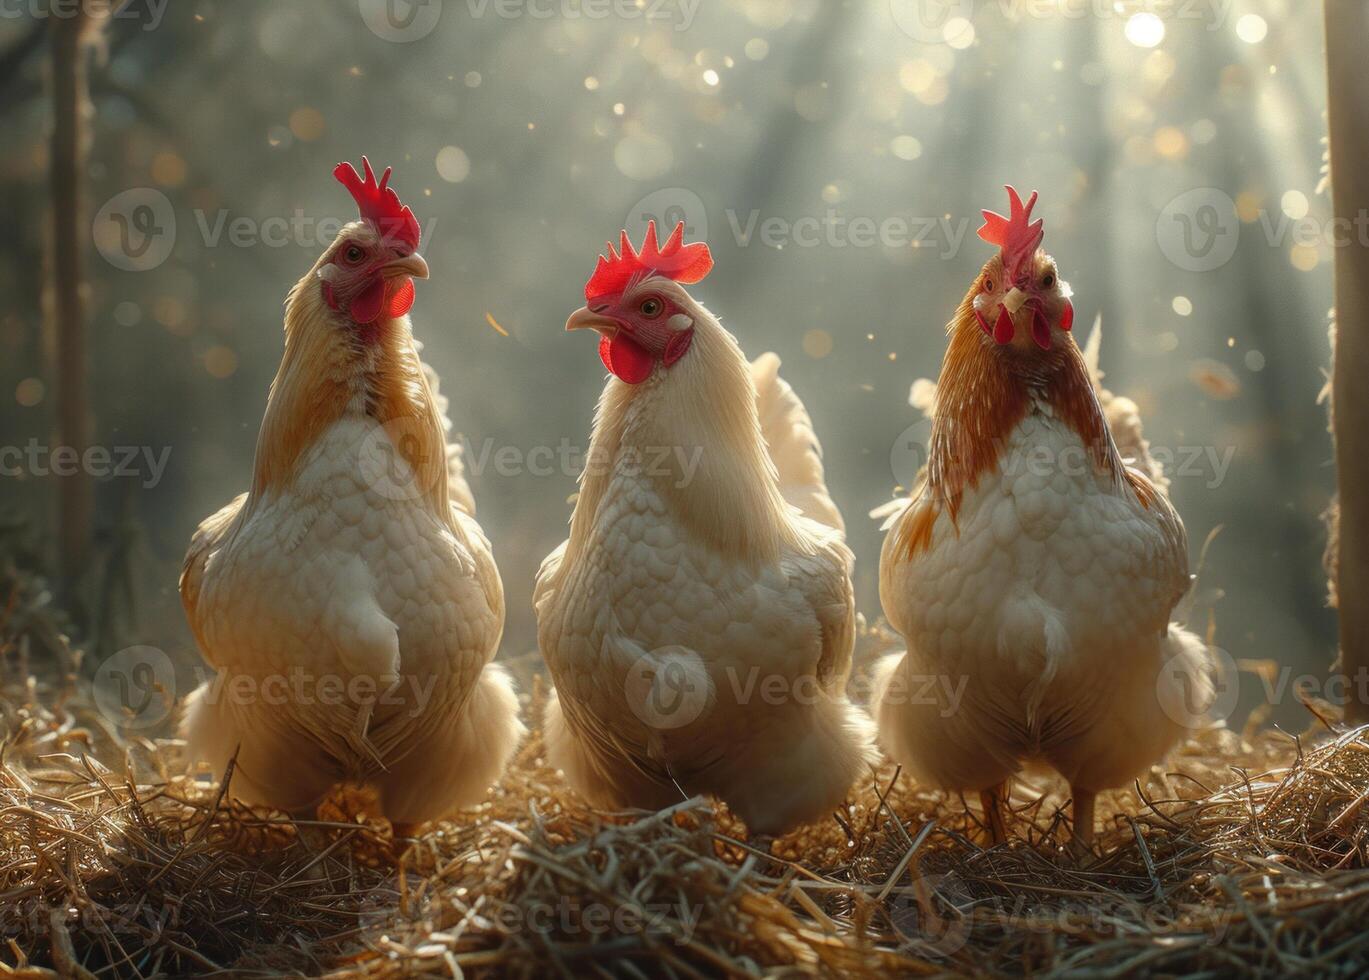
(70, 234)
(1347, 29)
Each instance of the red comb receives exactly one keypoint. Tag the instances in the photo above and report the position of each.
(378, 203)
(1017, 239)
(674, 260)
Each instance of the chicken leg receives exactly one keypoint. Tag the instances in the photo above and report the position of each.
(994, 801)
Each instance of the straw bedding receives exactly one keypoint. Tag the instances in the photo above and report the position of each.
(1243, 855)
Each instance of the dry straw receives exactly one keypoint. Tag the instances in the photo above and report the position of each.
(1244, 855)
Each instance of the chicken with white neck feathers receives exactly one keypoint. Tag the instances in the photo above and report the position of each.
(349, 601)
(699, 632)
(1032, 565)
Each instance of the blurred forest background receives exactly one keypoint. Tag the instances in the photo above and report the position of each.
(833, 154)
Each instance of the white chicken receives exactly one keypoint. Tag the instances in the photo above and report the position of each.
(698, 622)
(1033, 572)
(349, 602)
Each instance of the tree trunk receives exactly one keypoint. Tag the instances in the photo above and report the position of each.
(1347, 26)
(70, 232)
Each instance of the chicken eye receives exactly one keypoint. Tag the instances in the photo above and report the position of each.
(651, 307)
(353, 254)
(1048, 280)
(988, 284)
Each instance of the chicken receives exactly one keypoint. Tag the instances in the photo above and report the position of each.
(348, 601)
(699, 620)
(1033, 572)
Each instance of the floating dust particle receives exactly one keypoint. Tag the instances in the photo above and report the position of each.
(220, 361)
(29, 392)
(1304, 258)
(817, 344)
(489, 318)
(307, 123)
(168, 169)
(1215, 379)
(453, 165)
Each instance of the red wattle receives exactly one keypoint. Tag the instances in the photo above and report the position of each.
(1067, 318)
(366, 307)
(1003, 329)
(983, 323)
(401, 298)
(625, 359)
(1041, 330)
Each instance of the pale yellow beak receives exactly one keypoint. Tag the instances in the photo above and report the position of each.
(412, 265)
(586, 319)
(1013, 301)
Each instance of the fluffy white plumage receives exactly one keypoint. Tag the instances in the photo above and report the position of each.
(1037, 608)
(699, 627)
(349, 602)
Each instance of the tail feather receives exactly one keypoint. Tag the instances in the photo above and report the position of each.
(458, 490)
(1124, 417)
(792, 444)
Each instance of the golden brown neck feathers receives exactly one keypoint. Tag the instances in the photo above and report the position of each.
(327, 372)
(983, 394)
